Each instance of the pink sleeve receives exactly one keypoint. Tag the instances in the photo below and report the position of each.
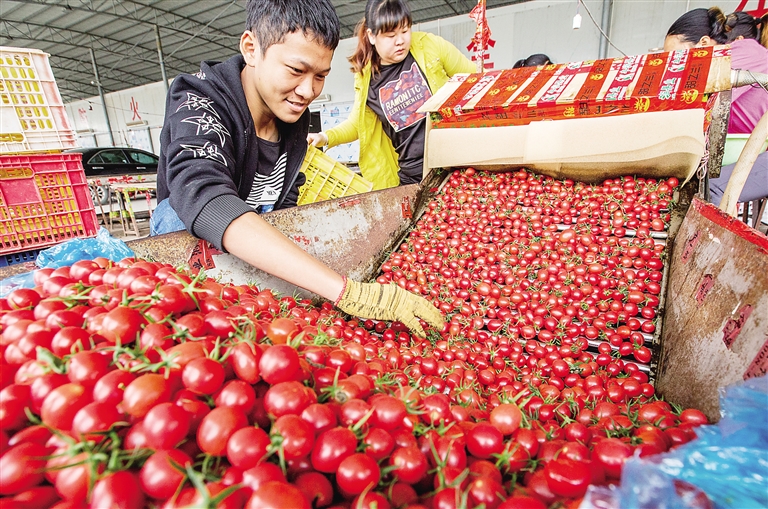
(748, 104)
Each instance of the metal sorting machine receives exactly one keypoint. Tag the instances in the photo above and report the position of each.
(714, 299)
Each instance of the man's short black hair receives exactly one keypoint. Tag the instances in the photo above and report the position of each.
(272, 20)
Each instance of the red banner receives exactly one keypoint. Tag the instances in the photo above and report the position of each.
(759, 11)
(635, 84)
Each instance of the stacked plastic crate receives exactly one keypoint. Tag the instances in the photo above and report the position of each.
(44, 196)
(328, 179)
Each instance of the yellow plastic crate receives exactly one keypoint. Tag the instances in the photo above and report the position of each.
(328, 179)
(33, 118)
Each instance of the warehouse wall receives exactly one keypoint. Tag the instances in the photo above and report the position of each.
(135, 115)
(546, 27)
(538, 26)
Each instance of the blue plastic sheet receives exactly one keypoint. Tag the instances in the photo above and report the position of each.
(67, 253)
(10, 284)
(727, 461)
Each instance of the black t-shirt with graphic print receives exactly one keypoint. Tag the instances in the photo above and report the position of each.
(269, 178)
(394, 95)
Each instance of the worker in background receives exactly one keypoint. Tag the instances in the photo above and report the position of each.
(534, 60)
(232, 144)
(707, 27)
(396, 71)
(747, 103)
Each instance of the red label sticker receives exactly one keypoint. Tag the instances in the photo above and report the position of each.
(733, 325)
(202, 256)
(406, 207)
(302, 239)
(690, 244)
(759, 365)
(706, 285)
(349, 203)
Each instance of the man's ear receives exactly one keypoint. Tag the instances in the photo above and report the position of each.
(249, 47)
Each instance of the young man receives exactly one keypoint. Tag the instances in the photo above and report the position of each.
(233, 141)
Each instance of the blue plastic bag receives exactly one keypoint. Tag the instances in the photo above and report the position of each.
(25, 280)
(67, 253)
(727, 461)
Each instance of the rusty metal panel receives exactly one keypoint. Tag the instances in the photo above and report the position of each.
(173, 248)
(718, 129)
(716, 318)
(683, 199)
(352, 235)
(15, 270)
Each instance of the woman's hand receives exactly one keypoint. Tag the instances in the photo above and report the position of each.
(317, 139)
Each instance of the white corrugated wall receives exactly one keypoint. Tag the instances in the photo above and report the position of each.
(538, 26)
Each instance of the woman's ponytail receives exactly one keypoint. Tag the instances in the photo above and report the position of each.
(364, 51)
(698, 23)
(718, 27)
(741, 24)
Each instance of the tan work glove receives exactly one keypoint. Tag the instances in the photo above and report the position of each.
(389, 302)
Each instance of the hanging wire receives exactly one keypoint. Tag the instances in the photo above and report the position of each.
(581, 2)
(221, 13)
(117, 108)
(757, 83)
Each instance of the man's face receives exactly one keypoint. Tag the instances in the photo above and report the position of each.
(288, 77)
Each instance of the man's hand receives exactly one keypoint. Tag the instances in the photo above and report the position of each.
(317, 139)
(389, 302)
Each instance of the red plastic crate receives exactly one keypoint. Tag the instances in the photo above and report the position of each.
(32, 115)
(44, 200)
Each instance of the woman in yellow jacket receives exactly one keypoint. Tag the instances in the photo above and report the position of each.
(396, 71)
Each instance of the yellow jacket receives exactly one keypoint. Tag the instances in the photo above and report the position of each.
(438, 60)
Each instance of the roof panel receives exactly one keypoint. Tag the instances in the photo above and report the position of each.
(121, 34)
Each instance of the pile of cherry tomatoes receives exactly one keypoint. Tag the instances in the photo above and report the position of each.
(134, 384)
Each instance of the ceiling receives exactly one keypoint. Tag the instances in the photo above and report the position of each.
(122, 35)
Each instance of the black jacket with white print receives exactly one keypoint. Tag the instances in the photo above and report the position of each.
(209, 150)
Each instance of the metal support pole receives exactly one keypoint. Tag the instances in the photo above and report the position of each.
(160, 57)
(101, 94)
(605, 26)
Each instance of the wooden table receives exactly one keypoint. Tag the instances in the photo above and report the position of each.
(123, 193)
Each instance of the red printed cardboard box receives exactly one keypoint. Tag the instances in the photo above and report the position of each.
(675, 80)
(591, 120)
